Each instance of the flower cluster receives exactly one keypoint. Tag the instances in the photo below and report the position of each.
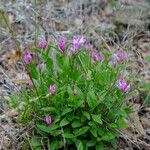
(97, 56)
(119, 56)
(77, 42)
(70, 85)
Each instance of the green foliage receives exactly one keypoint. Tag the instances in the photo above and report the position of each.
(87, 107)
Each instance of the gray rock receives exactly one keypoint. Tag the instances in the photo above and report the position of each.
(134, 14)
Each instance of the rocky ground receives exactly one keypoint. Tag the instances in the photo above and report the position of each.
(122, 24)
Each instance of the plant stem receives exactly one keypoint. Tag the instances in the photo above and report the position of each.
(36, 23)
(2, 13)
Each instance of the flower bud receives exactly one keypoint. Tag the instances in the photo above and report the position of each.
(52, 89)
(42, 44)
(27, 58)
(48, 120)
(62, 45)
(123, 86)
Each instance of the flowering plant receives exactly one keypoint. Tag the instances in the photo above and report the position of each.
(76, 99)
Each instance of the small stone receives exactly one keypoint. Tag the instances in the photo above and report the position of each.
(7, 143)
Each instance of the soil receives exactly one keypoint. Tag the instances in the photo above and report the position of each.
(114, 25)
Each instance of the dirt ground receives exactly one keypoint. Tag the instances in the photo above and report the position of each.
(110, 24)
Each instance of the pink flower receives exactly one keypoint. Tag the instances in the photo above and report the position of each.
(62, 45)
(48, 120)
(52, 89)
(123, 86)
(42, 44)
(77, 42)
(27, 58)
(30, 83)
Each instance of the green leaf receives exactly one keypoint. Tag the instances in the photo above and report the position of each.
(53, 127)
(94, 132)
(47, 51)
(49, 109)
(89, 75)
(65, 111)
(81, 131)
(53, 145)
(113, 143)
(101, 131)
(35, 141)
(122, 122)
(107, 136)
(97, 118)
(44, 128)
(148, 58)
(55, 133)
(79, 103)
(69, 135)
(66, 62)
(48, 129)
(87, 115)
(100, 146)
(49, 64)
(64, 122)
(76, 123)
(79, 145)
(91, 143)
(33, 70)
(92, 100)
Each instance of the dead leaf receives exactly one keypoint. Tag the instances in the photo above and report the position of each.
(13, 57)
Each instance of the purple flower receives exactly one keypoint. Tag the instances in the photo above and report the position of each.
(77, 42)
(42, 44)
(123, 86)
(40, 66)
(52, 89)
(95, 55)
(62, 45)
(88, 46)
(27, 58)
(122, 55)
(48, 120)
(113, 60)
(101, 57)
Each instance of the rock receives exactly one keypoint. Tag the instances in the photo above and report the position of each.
(13, 114)
(135, 14)
(108, 10)
(7, 144)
